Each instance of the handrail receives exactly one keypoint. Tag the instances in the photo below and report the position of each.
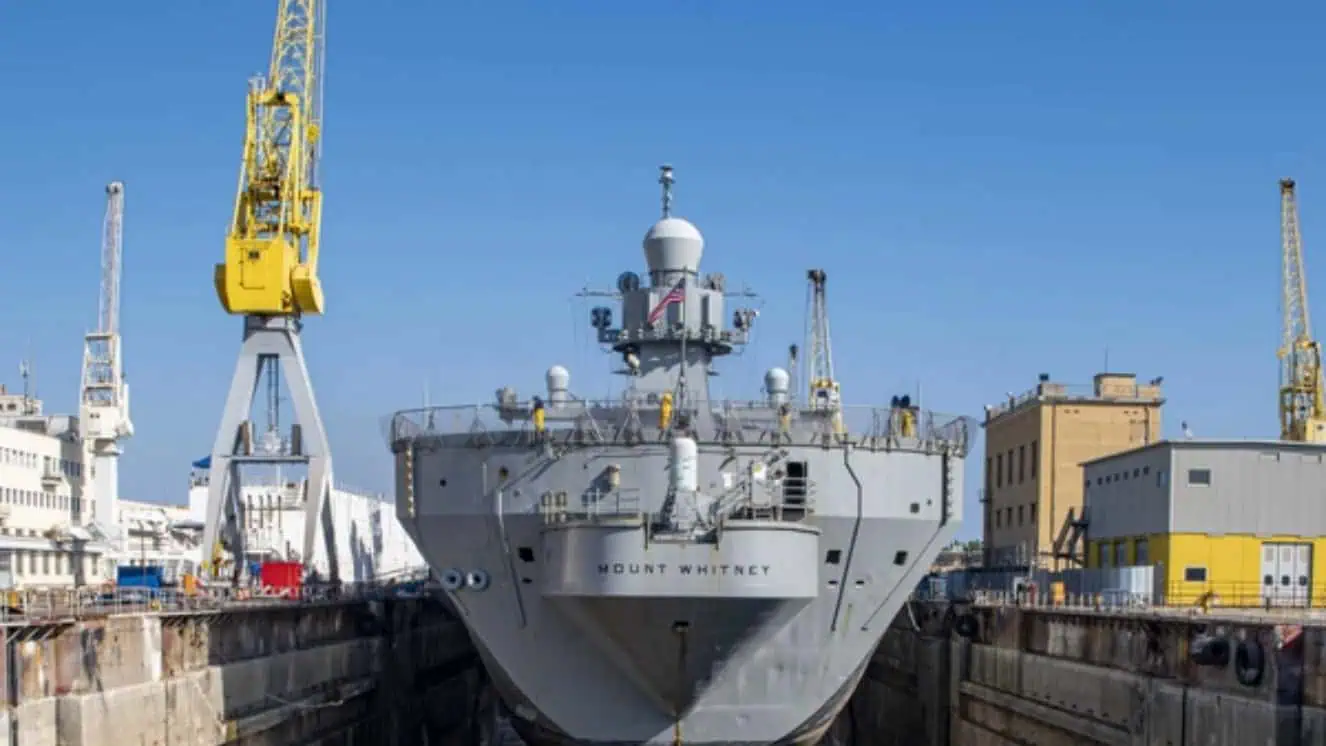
(729, 422)
(47, 605)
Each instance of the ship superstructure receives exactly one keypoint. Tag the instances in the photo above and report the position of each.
(666, 567)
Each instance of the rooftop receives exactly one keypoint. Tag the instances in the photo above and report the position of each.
(1250, 444)
(1112, 388)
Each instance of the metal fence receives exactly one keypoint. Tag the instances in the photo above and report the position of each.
(1145, 586)
(45, 605)
(731, 421)
(1130, 586)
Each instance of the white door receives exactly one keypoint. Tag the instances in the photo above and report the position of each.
(1270, 582)
(1302, 574)
(1287, 574)
(1284, 574)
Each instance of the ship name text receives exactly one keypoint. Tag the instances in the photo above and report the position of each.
(661, 568)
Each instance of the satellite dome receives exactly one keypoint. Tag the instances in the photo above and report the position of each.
(673, 245)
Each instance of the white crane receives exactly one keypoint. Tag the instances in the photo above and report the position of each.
(104, 400)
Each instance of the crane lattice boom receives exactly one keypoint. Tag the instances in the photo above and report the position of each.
(108, 316)
(271, 261)
(1302, 410)
(823, 386)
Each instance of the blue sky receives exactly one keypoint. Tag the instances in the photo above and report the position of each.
(995, 189)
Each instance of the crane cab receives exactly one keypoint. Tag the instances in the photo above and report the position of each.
(263, 276)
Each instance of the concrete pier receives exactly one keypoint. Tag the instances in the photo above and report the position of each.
(1060, 677)
(386, 672)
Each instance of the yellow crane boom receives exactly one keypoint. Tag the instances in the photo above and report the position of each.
(1302, 409)
(271, 262)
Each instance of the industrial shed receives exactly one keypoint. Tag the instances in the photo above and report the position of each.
(1243, 521)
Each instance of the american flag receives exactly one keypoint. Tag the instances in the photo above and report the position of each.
(675, 295)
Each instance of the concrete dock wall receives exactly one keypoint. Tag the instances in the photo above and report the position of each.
(385, 672)
(1058, 677)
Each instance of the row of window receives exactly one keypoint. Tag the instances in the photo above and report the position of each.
(39, 499)
(1116, 553)
(1002, 468)
(1196, 477)
(45, 562)
(1004, 517)
(30, 460)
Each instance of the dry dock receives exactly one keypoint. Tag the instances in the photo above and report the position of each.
(1061, 676)
(366, 669)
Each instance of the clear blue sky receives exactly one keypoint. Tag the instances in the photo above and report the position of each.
(995, 189)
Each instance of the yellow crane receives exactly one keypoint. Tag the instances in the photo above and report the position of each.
(270, 277)
(1302, 409)
(271, 265)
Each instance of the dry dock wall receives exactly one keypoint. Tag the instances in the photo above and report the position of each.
(394, 672)
(1055, 677)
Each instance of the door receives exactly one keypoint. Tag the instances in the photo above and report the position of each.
(1287, 574)
(1270, 580)
(1302, 574)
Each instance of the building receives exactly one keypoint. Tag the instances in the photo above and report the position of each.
(1034, 447)
(371, 544)
(158, 535)
(1241, 521)
(48, 538)
(41, 498)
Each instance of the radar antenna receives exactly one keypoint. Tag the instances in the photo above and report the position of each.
(665, 178)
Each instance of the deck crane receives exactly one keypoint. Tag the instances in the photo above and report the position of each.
(103, 409)
(1302, 410)
(824, 392)
(270, 277)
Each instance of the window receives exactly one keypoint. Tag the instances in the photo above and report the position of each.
(1199, 477)
(1103, 554)
(1142, 550)
(999, 470)
(1120, 553)
(1034, 454)
(1033, 512)
(1194, 574)
(1020, 515)
(989, 475)
(1008, 516)
(1022, 464)
(1161, 480)
(999, 518)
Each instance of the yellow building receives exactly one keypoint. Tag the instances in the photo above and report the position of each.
(1034, 447)
(1240, 521)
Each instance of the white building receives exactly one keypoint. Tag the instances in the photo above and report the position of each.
(158, 535)
(370, 542)
(48, 538)
(41, 500)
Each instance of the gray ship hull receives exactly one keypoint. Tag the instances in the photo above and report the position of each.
(598, 629)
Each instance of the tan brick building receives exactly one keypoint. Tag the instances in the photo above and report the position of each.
(1034, 448)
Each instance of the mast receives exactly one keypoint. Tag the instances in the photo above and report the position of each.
(666, 180)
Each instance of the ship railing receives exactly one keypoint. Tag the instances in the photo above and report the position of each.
(779, 499)
(734, 422)
(592, 505)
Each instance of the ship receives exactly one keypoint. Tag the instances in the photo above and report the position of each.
(667, 567)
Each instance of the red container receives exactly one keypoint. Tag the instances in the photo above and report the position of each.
(282, 578)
